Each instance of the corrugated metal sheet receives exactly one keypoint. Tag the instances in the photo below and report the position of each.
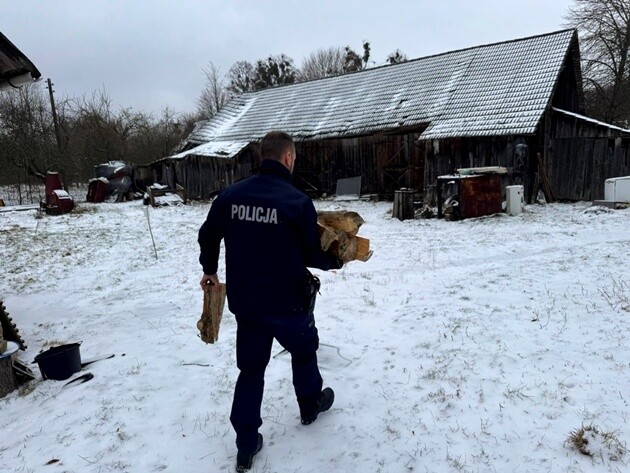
(497, 89)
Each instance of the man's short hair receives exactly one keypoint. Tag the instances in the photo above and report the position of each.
(275, 144)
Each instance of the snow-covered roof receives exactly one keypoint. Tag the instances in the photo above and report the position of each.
(214, 149)
(15, 68)
(591, 120)
(496, 89)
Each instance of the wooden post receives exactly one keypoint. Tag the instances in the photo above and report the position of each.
(53, 109)
(546, 183)
(440, 200)
(403, 204)
(7, 379)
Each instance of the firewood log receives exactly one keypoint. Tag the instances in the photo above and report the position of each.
(363, 249)
(345, 247)
(210, 321)
(347, 221)
(338, 234)
(326, 236)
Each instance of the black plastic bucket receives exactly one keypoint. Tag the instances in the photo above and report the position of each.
(60, 362)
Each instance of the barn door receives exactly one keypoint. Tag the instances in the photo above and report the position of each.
(393, 164)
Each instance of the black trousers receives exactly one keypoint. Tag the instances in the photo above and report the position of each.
(254, 338)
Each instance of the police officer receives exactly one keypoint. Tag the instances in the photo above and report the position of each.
(271, 237)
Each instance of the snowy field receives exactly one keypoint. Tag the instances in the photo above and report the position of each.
(471, 346)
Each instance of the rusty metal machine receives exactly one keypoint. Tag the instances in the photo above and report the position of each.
(58, 201)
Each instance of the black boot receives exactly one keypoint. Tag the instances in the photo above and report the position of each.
(326, 400)
(244, 459)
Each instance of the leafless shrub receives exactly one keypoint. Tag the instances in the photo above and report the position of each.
(324, 62)
(617, 296)
(592, 442)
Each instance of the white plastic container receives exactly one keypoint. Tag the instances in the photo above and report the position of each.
(617, 189)
(515, 199)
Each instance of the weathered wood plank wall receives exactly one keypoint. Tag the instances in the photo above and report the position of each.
(201, 176)
(582, 155)
(444, 157)
(385, 163)
(566, 95)
(581, 165)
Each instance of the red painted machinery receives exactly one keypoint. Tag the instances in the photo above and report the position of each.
(58, 201)
(97, 190)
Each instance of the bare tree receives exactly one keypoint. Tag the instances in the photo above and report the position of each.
(92, 130)
(101, 132)
(604, 27)
(241, 77)
(214, 95)
(27, 138)
(155, 138)
(322, 63)
(397, 57)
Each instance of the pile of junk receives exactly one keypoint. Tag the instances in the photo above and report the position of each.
(113, 183)
(58, 363)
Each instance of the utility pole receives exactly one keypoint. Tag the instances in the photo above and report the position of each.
(60, 145)
(54, 114)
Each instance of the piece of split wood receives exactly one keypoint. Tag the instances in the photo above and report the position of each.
(363, 249)
(347, 221)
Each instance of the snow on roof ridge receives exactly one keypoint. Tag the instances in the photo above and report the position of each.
(430, 56)
(494, 85)
(592, 120)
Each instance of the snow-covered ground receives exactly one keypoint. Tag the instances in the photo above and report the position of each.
(471, 346)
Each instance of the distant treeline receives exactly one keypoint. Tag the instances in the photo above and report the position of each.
(89, 131)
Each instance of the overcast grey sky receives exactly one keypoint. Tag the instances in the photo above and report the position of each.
(149, 54)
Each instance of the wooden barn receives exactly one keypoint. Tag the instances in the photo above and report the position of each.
(512, 104)
(202, 170)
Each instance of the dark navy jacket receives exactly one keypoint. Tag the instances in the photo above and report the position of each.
(270, 233)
